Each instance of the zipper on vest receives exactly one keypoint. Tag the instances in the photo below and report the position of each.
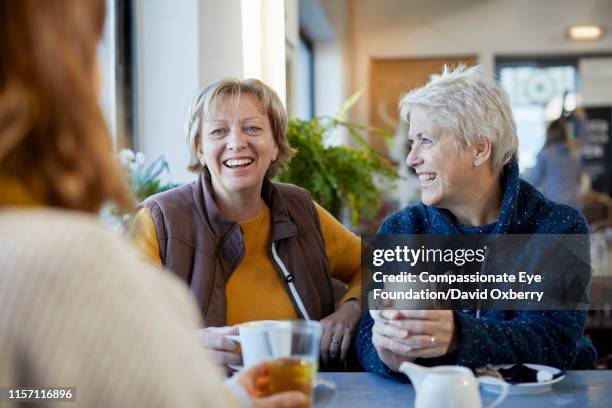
(289, 278)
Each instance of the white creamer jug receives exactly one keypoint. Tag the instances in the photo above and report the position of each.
(447, 386)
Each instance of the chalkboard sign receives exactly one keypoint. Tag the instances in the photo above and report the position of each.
(597, 148)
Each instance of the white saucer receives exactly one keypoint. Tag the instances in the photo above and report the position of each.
(524, 388)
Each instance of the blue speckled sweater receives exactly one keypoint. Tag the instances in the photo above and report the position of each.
(546, 337)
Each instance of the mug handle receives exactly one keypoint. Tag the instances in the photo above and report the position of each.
(504, 390)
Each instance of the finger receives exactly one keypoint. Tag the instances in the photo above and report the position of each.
(346, 344)
(282, 400)
(420, 341)
(337, 334)
(325, 343)
(224, 358)
(217, 341)
(377, 316)
(385, 303)
(387, 330)
(263, 387)
(223, 330)
(334, 346)
(416, 326)
(382, 342)
(388, 314)
(427, 352)
(408, 314)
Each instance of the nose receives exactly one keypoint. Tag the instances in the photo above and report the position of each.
(237, 139)
(414, 159)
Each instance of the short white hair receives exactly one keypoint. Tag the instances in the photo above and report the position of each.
(468, 105)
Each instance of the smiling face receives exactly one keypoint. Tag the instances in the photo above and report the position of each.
(237, 145)
(446, 173)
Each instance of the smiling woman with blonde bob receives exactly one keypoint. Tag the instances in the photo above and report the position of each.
(464, 148)
(249, 248)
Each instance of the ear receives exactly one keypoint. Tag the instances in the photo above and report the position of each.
(199, 150)
(275, 153)
(481, 151)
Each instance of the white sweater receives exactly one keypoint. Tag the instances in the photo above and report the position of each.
(79, 308)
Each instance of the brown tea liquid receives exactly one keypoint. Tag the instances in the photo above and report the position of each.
(292, 374)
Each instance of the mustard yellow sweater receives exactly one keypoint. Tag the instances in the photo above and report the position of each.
(255, 290)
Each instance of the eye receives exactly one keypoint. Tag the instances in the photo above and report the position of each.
(217, 133)
(426, 141)
(252, 130)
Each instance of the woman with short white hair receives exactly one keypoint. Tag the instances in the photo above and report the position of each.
(464, 148)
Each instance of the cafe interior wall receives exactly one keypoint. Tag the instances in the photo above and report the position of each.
(184, 45)
(413, 29)
(486, 28)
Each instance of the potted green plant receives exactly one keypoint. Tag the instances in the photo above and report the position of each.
(337, 175)
(144, 181)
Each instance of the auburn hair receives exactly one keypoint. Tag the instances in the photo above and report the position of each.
(53, 136)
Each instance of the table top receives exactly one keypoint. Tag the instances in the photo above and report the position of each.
(588, 388)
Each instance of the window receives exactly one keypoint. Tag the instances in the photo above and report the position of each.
(538, 89)
(305, 80)
(116, 60)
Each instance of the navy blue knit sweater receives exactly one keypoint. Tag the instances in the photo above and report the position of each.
(546, 337)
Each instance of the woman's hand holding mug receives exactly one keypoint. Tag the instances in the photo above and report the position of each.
(225, 351)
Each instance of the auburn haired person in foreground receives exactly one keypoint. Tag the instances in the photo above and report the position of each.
(78, 308)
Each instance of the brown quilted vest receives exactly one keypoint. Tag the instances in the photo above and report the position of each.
(203, 248)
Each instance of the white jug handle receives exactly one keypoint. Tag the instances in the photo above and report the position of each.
(504, 390)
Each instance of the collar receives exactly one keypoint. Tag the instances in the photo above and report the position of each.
(510, 188)
(507, 213)
(282, 224)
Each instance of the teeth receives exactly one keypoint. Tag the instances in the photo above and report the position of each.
(238, 162)
(427, 176)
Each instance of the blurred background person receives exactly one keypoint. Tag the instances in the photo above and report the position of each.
(78, 308)
(557, 172)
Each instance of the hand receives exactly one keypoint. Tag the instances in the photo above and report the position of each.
(387, 341)
(421, 333)
(255, 380)
(225, 351)
(338, 330)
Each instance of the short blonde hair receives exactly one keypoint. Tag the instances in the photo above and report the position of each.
(468, 105)
(205, 102)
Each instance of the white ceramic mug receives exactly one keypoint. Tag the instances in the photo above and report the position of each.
(259, 343)
(397, 288)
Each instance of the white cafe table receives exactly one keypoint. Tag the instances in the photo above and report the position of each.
(588, 388)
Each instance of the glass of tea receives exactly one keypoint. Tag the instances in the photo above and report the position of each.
(294, 347)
